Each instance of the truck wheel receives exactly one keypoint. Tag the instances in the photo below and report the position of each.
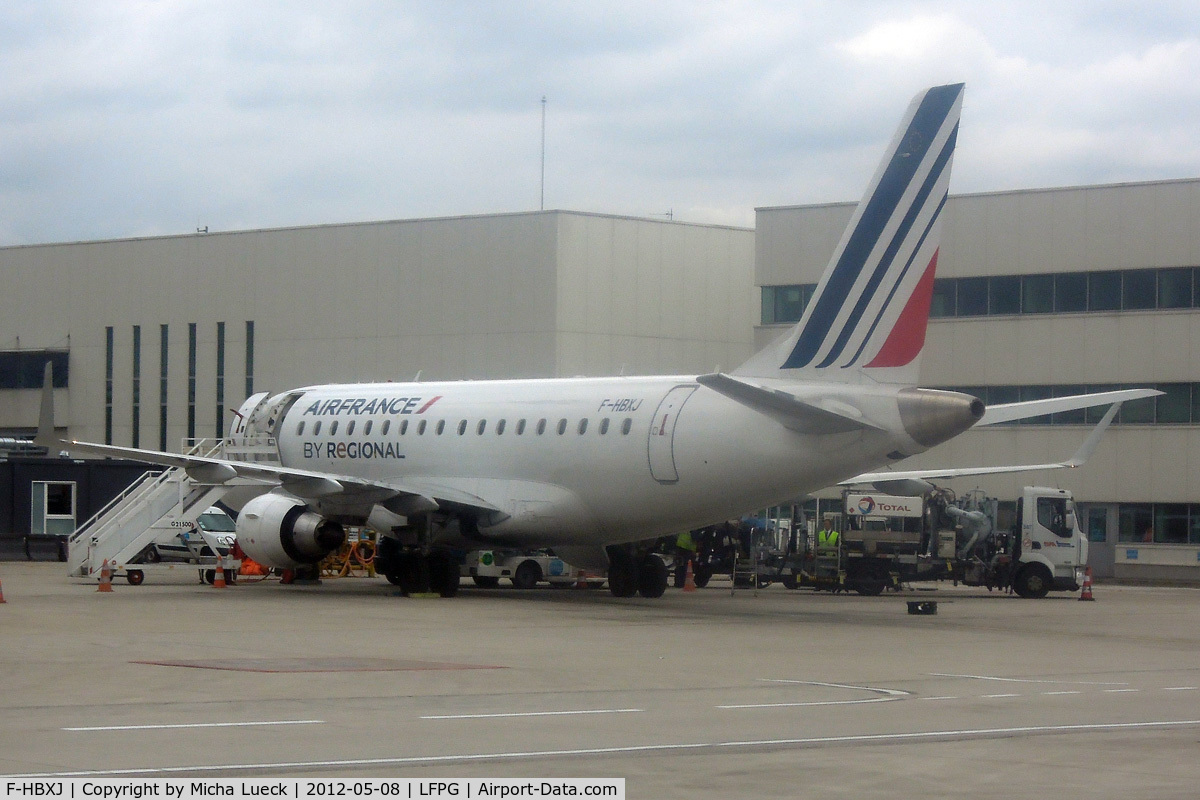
(701, 576)
(527, 575)
(486, 581)
(1033, 581)
(871, 586)
(135, 577)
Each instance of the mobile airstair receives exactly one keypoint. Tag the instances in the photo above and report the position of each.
(161, 504)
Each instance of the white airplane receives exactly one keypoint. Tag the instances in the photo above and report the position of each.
(588, 465)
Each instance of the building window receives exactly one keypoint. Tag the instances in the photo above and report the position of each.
(1004, 295)
(1175, 288)
(1104, 291)
(1070, 292)
(26, 369)
(972, 297)
(137, 386)
(191, 412)
(1037, 294)
(1138, 290)
(944, 302)
(249, 358)
(109, 347)
(220, 379)
(162, 388)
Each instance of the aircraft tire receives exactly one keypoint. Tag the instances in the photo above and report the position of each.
(653, 576)
(443, 574)
(622, 573)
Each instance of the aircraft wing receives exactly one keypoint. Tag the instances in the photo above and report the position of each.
(1077, 460)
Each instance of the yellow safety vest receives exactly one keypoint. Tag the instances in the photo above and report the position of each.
(827, 540)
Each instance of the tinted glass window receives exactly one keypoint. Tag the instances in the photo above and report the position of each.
(500, 427)
(1104, 291)
(1175, 288)
(1175, 406)
(1135, 522)
(1037, 296)
(1070, 291)
(1004, 295)
(300, 429)
(1139, 290)
(972, 297)
(333, 427)
(944, 298)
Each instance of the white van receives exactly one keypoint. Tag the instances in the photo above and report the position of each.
(184, 542)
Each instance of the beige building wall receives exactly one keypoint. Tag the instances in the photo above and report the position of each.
(519, 295)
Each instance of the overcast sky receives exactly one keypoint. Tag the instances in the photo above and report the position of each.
(130, 118)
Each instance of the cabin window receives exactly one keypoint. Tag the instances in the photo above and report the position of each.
(604, 426)
(387, 426)
(583, 426)
(481, 427)
(333, 428)
(500, 428)
(367, 428)
(421, 428)
(350, 428)
(462, 427)
(562, 427)
(300, 428)
(317, 428)
(441, 426)
(520, 427)
(626, 426)
(541, 427)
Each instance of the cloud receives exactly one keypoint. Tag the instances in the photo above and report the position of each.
(127, 117)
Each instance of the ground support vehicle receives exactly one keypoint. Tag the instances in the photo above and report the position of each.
(1031, 549)
(525, 569)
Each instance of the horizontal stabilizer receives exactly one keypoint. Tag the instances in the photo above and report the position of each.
(1077, 460)
(1010, 412)
(789, 410)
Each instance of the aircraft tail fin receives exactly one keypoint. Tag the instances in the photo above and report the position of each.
(867, 318)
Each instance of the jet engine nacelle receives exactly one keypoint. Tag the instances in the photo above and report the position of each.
(280, 531)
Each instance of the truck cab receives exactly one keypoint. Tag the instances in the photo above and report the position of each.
(1050, 551)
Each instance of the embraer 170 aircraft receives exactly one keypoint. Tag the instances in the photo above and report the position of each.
(586, 466)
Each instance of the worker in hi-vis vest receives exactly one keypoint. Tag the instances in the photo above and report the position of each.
(827, 538)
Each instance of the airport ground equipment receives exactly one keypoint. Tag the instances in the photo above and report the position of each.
(1031, 548)
(524, 568)
(159, 506)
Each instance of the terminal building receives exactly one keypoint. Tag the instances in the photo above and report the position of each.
(1040, 293)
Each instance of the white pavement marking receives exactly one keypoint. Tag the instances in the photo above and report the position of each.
(814, 703)
(1180, 688)
(869, 738)
(537, 713)
(991, 696)
(1076, 691)
(943, 697)
(1026, 680)
(199, 725)
(876, 689)
(1120, 691)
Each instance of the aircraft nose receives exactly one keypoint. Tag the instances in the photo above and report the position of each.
(931, 416)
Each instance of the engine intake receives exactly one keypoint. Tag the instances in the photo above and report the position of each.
(280, 531)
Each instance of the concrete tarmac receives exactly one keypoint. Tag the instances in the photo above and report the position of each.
(693, 695)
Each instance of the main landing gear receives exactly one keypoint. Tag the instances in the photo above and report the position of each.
(630, 573)
(417, 572)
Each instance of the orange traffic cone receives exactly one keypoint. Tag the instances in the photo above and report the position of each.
(580, 581)
(219, 577)
(689, 580)
(1087, 585)
(105, 578)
